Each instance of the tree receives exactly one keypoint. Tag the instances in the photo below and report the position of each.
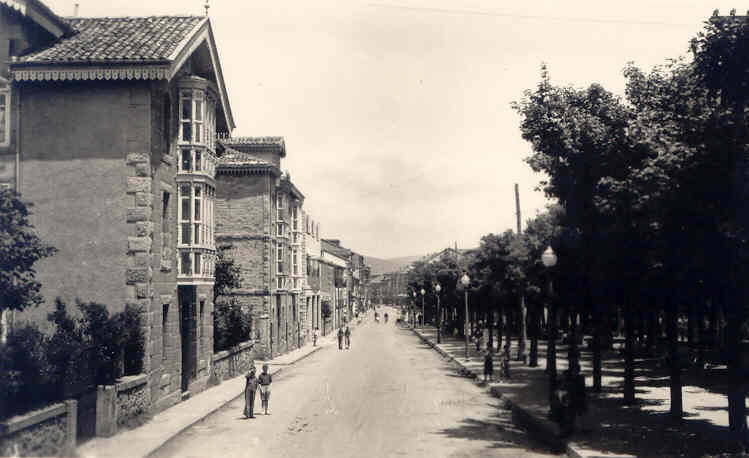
(20, 249)
(720, 63)
(578, 137)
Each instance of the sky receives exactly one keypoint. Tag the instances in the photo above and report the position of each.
(396, 114)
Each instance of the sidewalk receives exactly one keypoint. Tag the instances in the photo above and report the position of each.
(148, 438)
(644, 429)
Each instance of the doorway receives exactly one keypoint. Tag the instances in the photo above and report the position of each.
(187, 295)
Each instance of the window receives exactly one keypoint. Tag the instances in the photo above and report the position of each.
(279, 258)
(279, 206)
(185, 191)
(200, 324)
(185, 264)
(294, 260)
(279, 229)
(196, 214)
(4, 113)
(295, 217)
(192, 111)
(164, 213)
(164, 322)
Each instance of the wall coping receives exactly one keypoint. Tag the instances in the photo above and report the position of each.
(20, 422)
(131, 381)
(234, 350)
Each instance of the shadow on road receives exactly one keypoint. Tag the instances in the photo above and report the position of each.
(497, 429)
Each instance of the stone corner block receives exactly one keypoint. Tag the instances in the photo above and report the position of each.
(138, 275)
(136, 244)
(137, 158)
(144, 228)
(138, 214)
(138, 184)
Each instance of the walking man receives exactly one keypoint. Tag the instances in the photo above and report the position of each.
(348, 338)
(314, 338)
(249, 393)
(340, 338)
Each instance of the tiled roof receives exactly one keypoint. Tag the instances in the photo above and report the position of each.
(256, 143)
(233, 159)
(118, 39)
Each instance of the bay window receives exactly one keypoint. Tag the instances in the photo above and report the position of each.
(4, 113)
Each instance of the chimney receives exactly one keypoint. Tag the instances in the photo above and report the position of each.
(75, 9)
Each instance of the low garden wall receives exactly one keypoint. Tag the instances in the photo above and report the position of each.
(50, 431)
(124, 404)
(234, 361)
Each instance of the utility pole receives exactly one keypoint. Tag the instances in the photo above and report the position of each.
(522, 354)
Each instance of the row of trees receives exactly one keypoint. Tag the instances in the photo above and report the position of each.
(652, 221)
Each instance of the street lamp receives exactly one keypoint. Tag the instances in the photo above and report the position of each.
(466, 280)
(438, 288)
(549, 260)
(413, 314)
(422, 306)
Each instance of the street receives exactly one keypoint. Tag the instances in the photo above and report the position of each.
(389, 395)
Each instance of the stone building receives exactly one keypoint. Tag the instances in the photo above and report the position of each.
(338, 258)
(259, 225)
(25, 25)
(114, 143)
(312, 299)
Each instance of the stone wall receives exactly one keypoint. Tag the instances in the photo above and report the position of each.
(133, 400)
(233, 362)
(122, 405)
(46, 432)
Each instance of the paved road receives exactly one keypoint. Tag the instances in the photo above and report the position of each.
(389, 395)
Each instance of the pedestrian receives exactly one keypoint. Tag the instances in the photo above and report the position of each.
(479, 337)
(488, 366)
(348, 337)
(250, 388)
(314, 337)
(265, 380)
(340, 338)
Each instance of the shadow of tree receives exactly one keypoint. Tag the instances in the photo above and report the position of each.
(498, 430)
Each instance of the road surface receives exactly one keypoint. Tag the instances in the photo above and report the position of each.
(389, 395)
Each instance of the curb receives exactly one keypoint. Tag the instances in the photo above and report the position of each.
(220, 406)
(543, 430)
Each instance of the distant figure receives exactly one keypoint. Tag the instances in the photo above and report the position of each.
(314, 337)
(265, 380)
(250, 388)
(488, 366)
(479, 336)
(348, 337)
(340, 338)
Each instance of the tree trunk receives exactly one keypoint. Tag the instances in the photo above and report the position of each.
(490, 324)
(736, 389)
(652, 330)
(551, 348)
(533, 356)
(629, 356)
(677, 410)
(500, 323)
(597, 385)
(572, 354)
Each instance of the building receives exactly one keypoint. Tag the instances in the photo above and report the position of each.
(340, 259)
(313, 252)
(259, 224)
(113, 140)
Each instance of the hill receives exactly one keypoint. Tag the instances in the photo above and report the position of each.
(382, 266)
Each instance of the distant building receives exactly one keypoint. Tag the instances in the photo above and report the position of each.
(113, 140)
(259, 226)
(312, 288)
(337, 259)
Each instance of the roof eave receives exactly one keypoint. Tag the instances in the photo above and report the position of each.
(42, 15)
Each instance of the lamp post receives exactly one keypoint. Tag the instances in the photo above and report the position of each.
(549, 260)
(466, 280)
(413, 310)
(422, 306)
(438, 288)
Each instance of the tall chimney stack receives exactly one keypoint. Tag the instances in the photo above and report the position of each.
(75, 9)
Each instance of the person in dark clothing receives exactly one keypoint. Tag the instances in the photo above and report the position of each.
(488, 366)
(348, 337)
(340, 338)
(249, 393)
